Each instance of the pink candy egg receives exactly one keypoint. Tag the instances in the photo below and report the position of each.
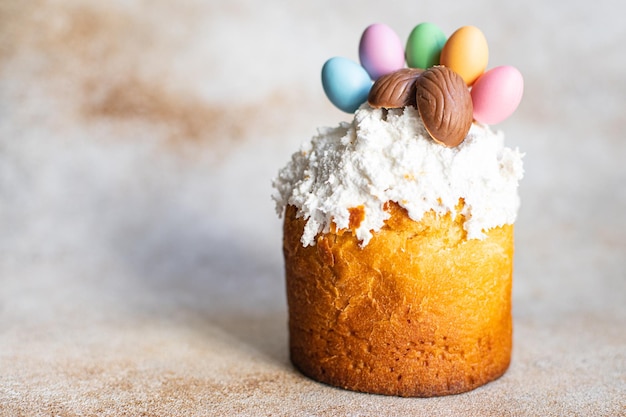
(496, 94)
(380, 50)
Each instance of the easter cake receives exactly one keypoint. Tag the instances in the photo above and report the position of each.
(398, 226)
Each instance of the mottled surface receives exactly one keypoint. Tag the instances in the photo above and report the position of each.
(140, 263)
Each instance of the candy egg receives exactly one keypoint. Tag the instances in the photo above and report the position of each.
(380, 50)
(345, 83)
(466, 53)
(496, 94)
(424, 45)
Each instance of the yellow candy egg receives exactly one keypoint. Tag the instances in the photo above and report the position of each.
(466, 53)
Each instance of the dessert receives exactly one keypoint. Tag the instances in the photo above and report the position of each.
(398, 226)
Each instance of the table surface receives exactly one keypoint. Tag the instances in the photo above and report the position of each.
(140, 253)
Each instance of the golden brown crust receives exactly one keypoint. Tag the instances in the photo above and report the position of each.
(419, 311)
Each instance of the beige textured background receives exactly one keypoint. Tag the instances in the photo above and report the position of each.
(140, 264)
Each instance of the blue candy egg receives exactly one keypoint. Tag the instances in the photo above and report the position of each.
(345, 83)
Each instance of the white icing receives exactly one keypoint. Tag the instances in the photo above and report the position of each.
(379, 158)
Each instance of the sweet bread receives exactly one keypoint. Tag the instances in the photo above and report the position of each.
(398, 233)
(419, 311)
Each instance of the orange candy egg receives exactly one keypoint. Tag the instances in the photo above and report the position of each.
(466, 53)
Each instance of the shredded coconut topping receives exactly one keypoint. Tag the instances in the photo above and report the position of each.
(387, 155)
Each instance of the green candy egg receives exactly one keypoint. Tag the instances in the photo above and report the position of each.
(424, 46)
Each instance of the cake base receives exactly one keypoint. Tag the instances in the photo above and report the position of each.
(420, 311)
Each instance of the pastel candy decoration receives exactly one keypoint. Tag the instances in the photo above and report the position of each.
(424, 45)
(345, 83)
(466, 52)
(380, 50)
(496, 94)
(489, 97)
